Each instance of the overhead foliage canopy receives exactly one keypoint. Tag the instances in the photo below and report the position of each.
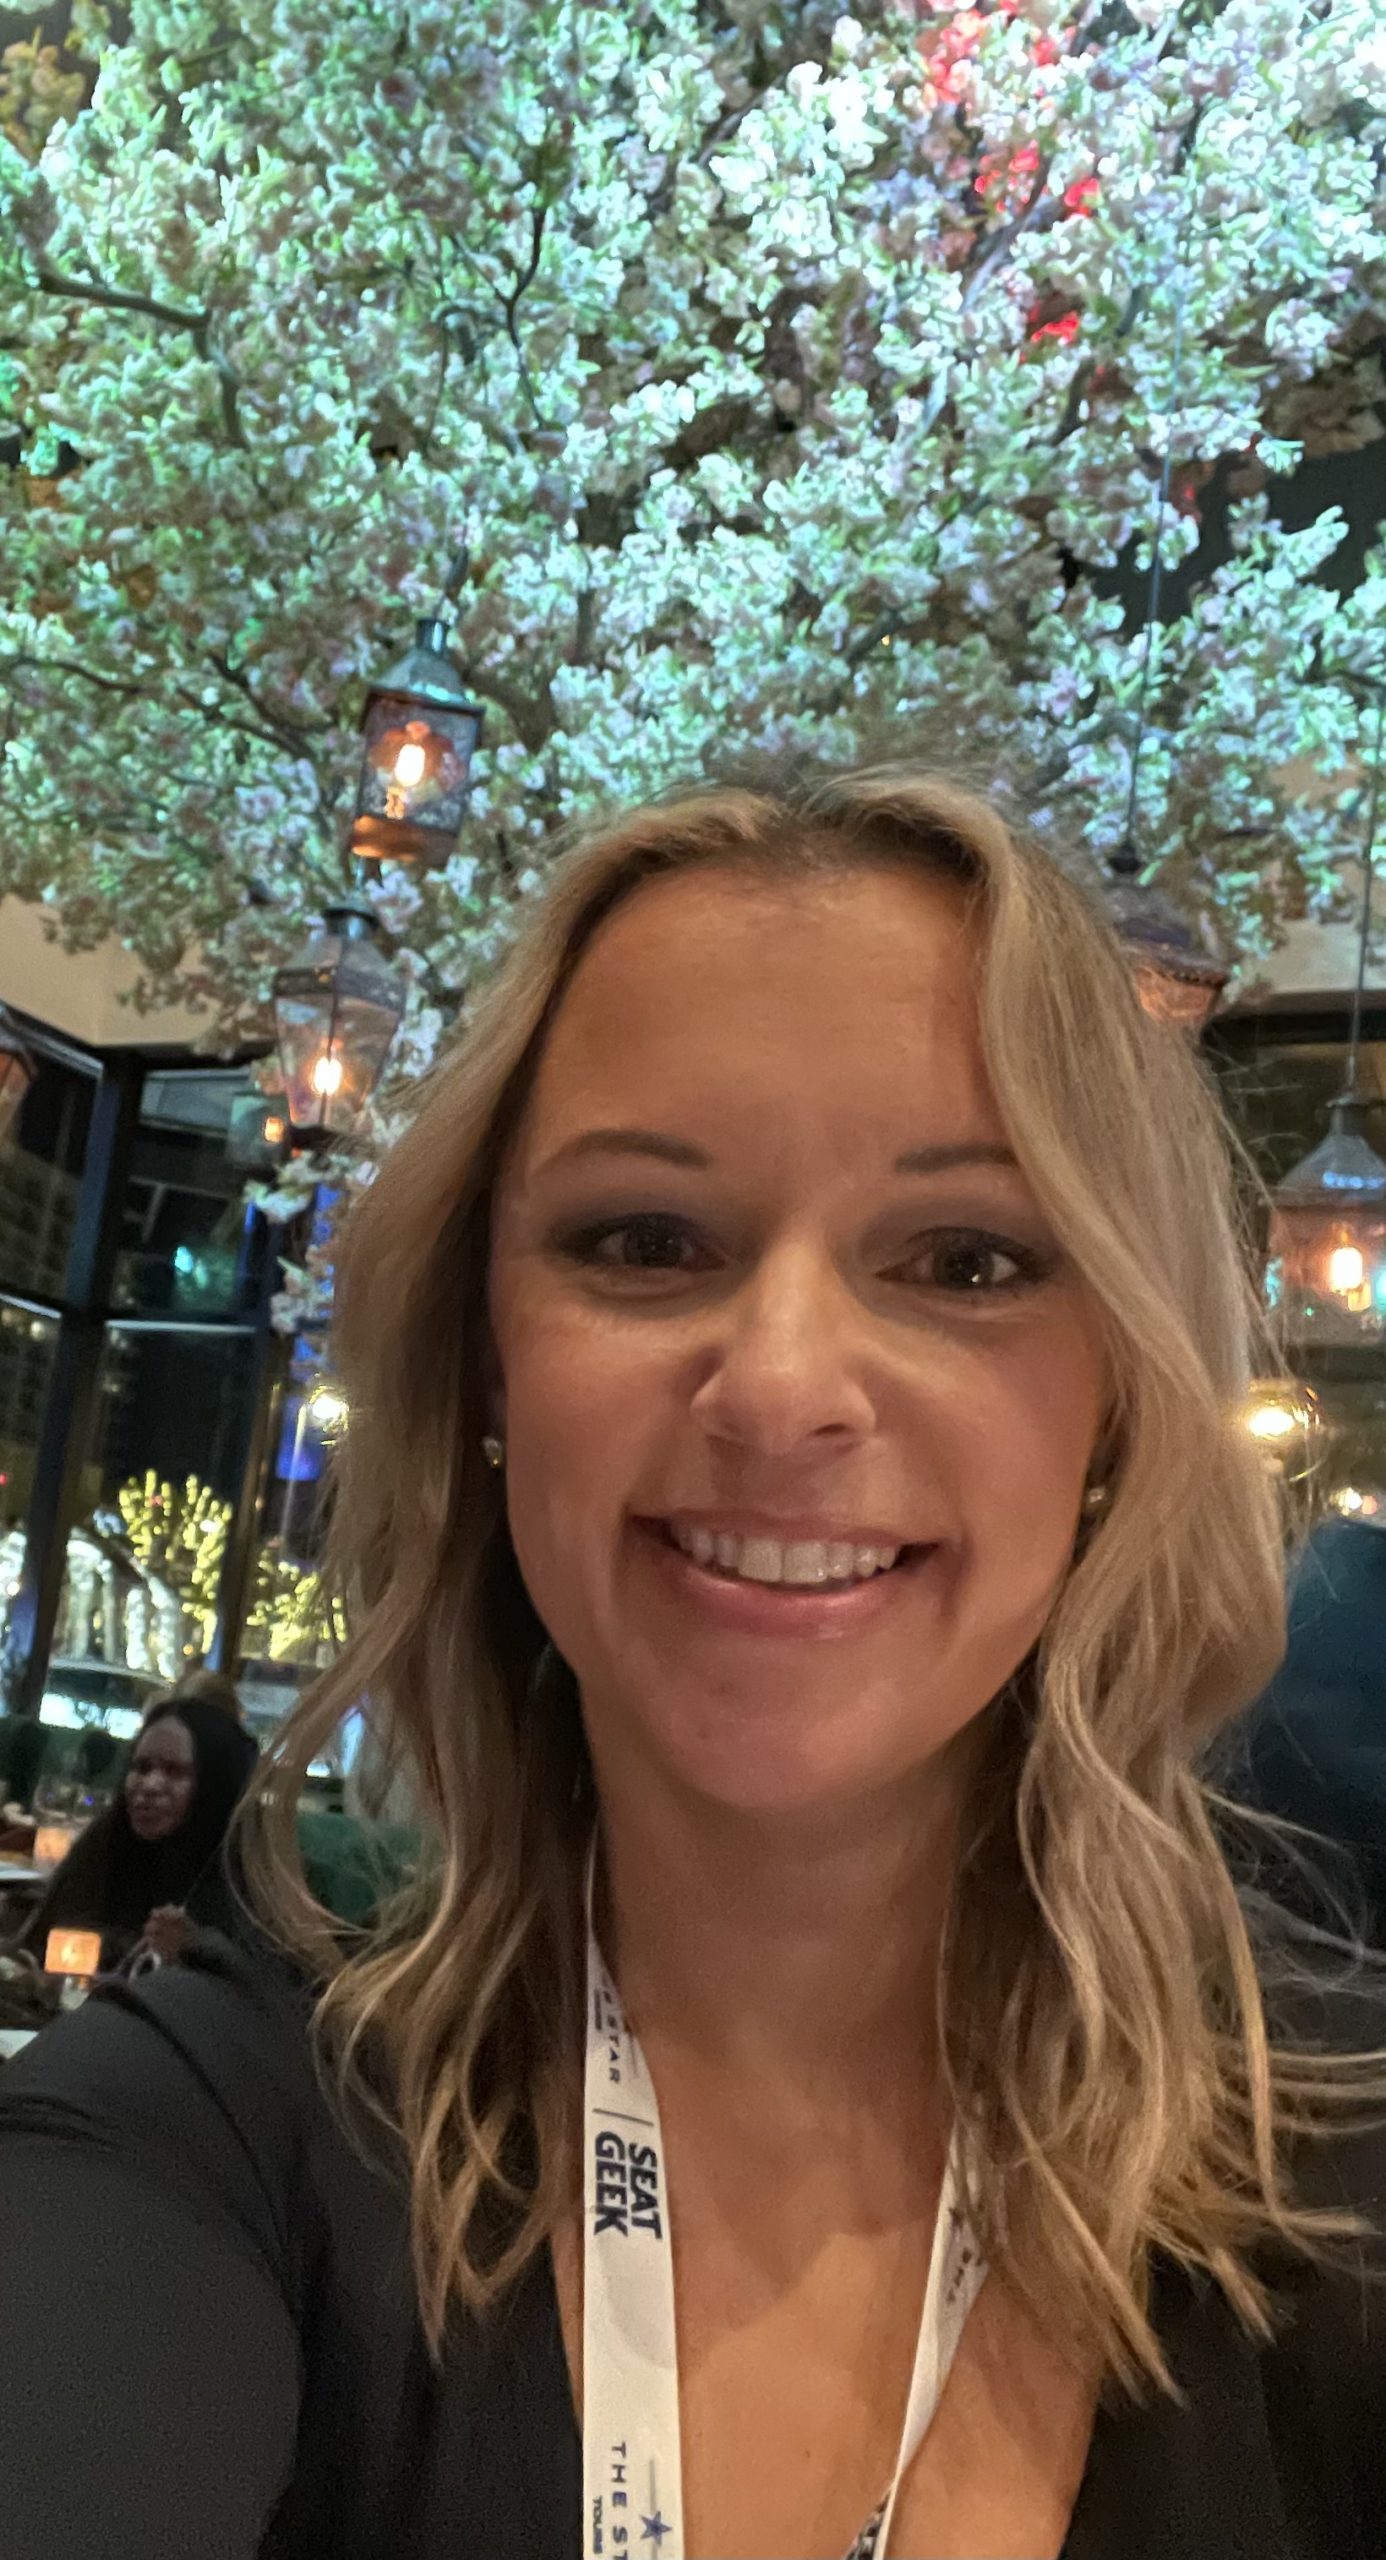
(770, 376)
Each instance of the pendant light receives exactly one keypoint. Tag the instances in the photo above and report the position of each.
(419, 735)
(1326, 1272)
(337, 1008)
(1178, 978)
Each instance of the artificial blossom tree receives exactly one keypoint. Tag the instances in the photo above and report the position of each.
(738, 373)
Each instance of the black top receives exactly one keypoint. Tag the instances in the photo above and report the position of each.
(208, 2344)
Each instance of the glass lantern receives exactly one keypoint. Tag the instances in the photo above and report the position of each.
(420, 734)
(1285, 1420)
(1326, 1274)
(337, 1008)
(256, 1131)
(1178, 980)
(16, 1074)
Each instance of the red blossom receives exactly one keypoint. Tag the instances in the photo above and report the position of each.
(945, 45)
(1082, 195)
(1065, 328)
(1007, 182)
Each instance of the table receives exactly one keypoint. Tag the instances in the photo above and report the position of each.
(21, 1871)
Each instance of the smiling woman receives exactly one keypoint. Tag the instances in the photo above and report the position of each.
(816, 1307)
(798, 1541)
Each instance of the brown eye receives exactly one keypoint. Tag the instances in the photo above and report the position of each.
(644, 1243)
(969, 1263)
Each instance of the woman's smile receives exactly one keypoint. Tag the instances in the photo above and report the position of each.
(801, 1587)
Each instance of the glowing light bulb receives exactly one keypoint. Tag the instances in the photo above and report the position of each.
(411, 764)
(1274, 1421)
(327, 1075)
(1347, 1270)
(327, 1408)
(274, 1131)
(1282, 1417)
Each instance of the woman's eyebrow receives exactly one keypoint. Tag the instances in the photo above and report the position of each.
(629, 1142)
(965, 1151)
(652, 1142)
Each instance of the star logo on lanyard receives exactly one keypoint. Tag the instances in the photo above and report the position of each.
(653, 2529)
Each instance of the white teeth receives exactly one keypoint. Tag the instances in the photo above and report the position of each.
(802, 1561)
(761, 1560)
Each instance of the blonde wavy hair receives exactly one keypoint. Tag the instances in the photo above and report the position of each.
(1100, 2005)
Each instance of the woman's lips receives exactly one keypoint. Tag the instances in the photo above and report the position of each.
(779, 1608)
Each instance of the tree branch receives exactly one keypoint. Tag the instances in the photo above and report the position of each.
(72, 667)
(510, 303)
(198, 324)
(531, 718)
(114, 297)
(1040, 214)
(291, 734)
(266, 735)
(1077, 393)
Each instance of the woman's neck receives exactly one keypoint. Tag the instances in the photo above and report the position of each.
(798, 1951)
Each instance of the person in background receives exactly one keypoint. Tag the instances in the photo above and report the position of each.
(1313, 1748)
(150, 1867)
(215, 1688)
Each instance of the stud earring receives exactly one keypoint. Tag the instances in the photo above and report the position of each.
(493, 1450)
(1096, 1498)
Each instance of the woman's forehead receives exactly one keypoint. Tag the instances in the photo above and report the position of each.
(169, 1740)
(858, 983)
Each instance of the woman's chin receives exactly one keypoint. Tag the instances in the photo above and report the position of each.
(757, 1765)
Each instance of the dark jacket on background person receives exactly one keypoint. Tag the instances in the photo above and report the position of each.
(1313, 1748)
(111, 1879)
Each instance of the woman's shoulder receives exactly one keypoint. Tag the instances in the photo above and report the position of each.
(203, 2074)
(225, 2004)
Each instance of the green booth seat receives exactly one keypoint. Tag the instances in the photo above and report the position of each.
(355, 1867)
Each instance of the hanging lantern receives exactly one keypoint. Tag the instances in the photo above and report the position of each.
(1284, 1419)
(256, 1132)
(1177, 979)
(337, 1008)
(1326, 1276)
(420, 735)
(16, 1074)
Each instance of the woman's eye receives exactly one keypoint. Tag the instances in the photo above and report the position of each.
(645, 1243)
(977, 1265)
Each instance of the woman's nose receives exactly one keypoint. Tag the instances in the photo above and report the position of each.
(788, 1361)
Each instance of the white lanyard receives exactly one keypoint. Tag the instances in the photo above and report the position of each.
(632, 2486)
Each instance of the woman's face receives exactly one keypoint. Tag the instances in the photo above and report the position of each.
(798, 1391)
(160, 1779)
